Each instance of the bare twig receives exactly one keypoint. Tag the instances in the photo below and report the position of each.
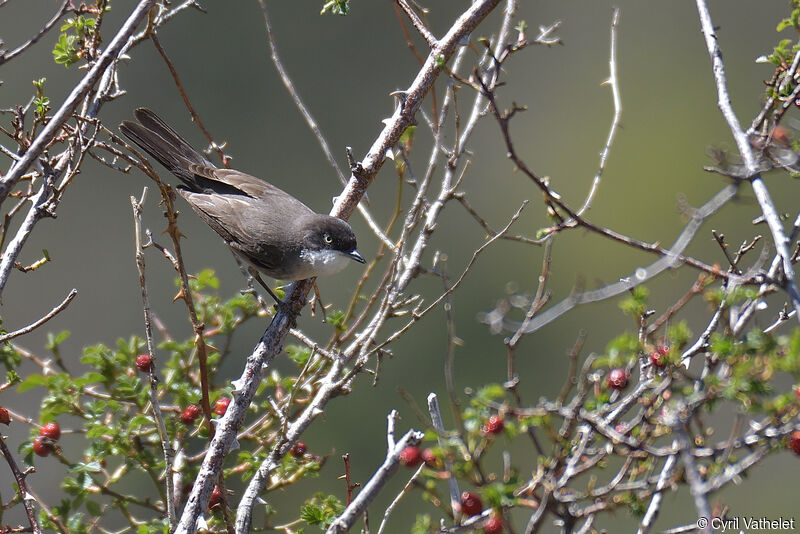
(347, 519)
(195, 117)
(312, 123)
(417, 22)
(19, 477)
(63, 8)
(613, 82)
(169, 452)
(438, 424)
(33, 326)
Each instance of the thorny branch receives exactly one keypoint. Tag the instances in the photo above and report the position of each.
(270, 343)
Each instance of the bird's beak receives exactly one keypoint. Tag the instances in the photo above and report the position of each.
(353, 254)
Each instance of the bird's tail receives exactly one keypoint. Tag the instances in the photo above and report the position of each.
(163, 143)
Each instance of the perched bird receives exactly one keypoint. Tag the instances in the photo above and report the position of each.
(270, 230)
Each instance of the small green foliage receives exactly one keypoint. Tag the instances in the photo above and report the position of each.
(791, 21)
(12, 377)
(41, 102)
(336, 318)
(321, 510)
(423, 525)
(490, 393)
(408, 135)
(155, 526)
(80, 24)
(521, 26)
(297, 468)
(298, 354)
(54, 340)
(498, 494)
(440, 61)
(721, 345)
(635, 505)
(335, 7)
(65, 52)
(678, 334)
(636, 304)
(74, 32)
(782, 53)
(202, 280)
(621, 350)
(9, 356)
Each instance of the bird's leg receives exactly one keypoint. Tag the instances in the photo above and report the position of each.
(318, 298)
(278, 302)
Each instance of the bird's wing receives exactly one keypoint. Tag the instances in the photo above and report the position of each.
(232, 182)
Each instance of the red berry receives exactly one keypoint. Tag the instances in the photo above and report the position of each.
(411, 456)
(471, 504)
(4, 417)
(143, 362)
(797, 391)
(221, 406)
(298, 449)
(618, 378)
(657, 359)
(780, 134)
(216, 498)
(41, 446)
(794, 442)
(430, 459)
(494, 425)
(190, 414)
(51, 430)
(493, 525)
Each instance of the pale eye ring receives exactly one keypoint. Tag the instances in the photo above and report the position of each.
(327, 238)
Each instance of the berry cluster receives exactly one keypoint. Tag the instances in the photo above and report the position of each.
(43, 443)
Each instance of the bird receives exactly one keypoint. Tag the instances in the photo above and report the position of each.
(271, 231)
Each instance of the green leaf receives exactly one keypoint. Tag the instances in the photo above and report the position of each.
(53, 341)
(423, 524)
(782, 25)
(64, 52)
(635, 305)
(140, 420)
(298, 354)
(206, 278)
(321, 510)
(94, 508)
(31, 382)
(336, 318)
(336, 7)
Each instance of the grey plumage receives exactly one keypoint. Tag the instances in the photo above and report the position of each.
(265, 226)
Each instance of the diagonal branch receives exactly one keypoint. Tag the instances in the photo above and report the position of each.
(32, 41)
(417, 22)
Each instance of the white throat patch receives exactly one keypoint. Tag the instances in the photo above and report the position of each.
(322, 262)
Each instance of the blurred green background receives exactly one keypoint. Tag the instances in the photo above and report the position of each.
(345, 67)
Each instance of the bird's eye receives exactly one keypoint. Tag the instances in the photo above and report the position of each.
(327, 238)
